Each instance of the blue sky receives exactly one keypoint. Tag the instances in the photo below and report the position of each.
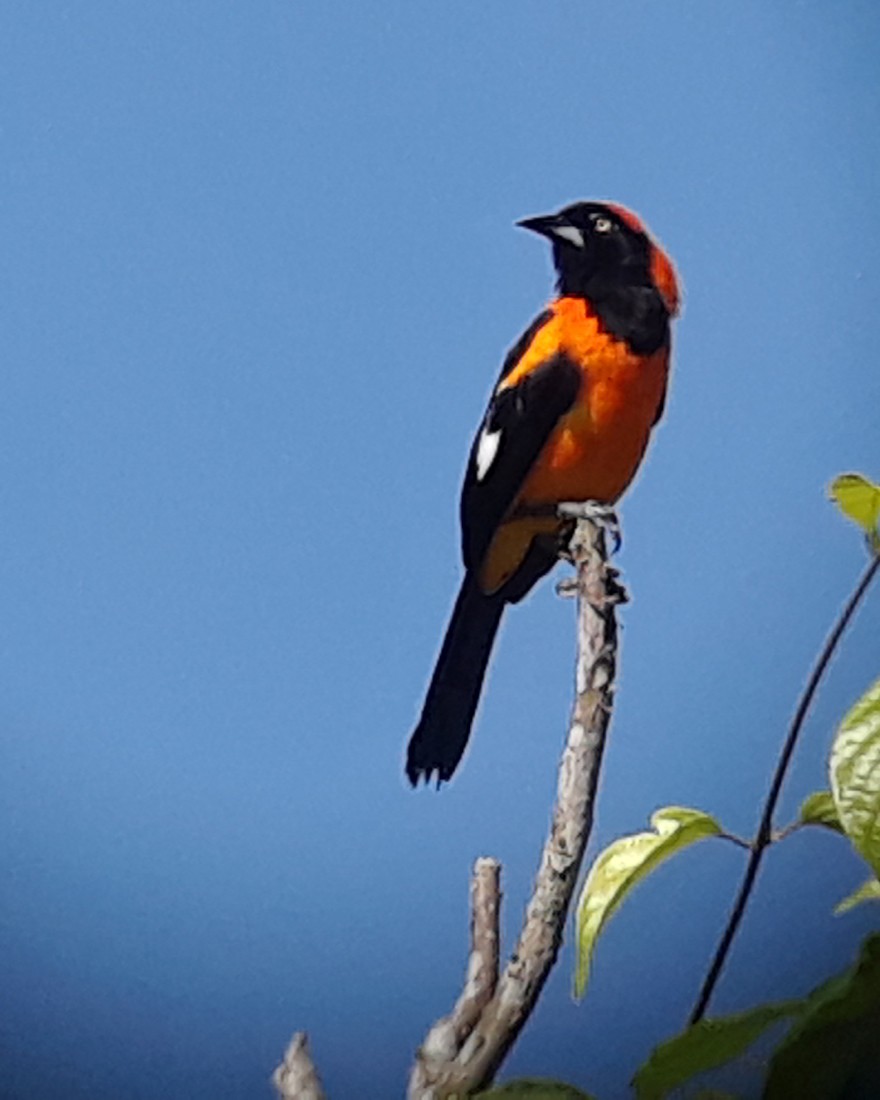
(258, 272)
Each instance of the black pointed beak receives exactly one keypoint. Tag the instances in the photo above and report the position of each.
(556, 228)
(544, 224)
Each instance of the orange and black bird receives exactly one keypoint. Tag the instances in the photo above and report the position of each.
(569, 420)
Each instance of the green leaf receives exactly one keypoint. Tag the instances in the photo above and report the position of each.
(831, 1051)
(868, 891)
(859, 500)
(623, 864)
(819, 809)
(855, 775)
(535, 1088)
(704, 1046)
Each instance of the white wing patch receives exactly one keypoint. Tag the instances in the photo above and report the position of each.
(487, 449)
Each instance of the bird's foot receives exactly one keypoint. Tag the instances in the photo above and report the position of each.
(601, 514)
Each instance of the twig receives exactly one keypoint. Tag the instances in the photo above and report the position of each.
(764, 835)
(737, 840)
(786, 831)
(296, 1078)
(452, 1062)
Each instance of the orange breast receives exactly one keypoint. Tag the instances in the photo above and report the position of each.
(595, 451)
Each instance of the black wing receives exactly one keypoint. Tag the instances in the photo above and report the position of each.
(517, 425)
(523, 344)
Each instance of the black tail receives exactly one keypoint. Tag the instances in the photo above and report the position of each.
(443, 730)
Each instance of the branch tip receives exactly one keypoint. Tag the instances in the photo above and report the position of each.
(296, 1078)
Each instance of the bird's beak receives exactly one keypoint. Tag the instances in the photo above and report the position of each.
(556, 228)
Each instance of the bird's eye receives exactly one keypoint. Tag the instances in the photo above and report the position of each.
(603, 225)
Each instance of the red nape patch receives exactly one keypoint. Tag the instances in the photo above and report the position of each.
(665, 280)
(627, 216)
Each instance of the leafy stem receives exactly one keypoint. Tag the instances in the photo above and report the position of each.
(764, 836)
(737, 840)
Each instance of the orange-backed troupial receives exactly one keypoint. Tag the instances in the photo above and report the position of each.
(569, 420)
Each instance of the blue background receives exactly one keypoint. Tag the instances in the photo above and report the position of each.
(258, 271)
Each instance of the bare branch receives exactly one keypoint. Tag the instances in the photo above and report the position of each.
(482, 973)
(296, 1078)
(453, 1061)
(446, 1036)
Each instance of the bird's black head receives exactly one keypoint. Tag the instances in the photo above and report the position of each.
(596, 247)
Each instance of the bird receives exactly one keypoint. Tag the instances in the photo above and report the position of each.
(568, 421)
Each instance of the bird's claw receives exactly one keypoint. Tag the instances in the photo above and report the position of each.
(601, 514)
(567, 587)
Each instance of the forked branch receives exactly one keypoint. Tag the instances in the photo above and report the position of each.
(462, 1052)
